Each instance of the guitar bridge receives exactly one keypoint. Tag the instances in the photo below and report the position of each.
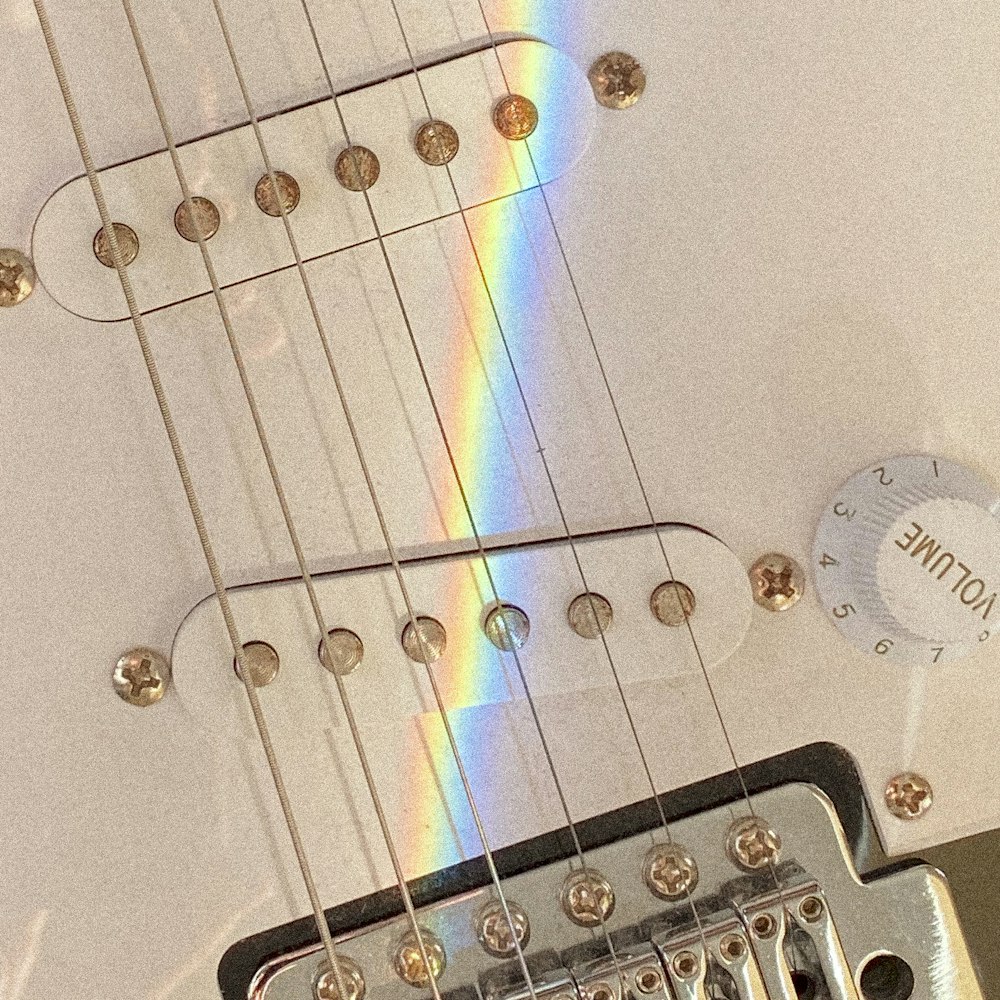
(802, 926)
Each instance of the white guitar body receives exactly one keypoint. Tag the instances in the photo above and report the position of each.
(788, 252)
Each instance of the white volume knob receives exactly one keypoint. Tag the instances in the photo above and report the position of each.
(907, 559)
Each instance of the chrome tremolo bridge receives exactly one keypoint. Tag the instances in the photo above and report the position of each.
(803, 926)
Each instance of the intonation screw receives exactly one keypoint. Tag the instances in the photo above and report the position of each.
(434, 636)
(409, 962)
(141, 676)
(346, 651)
(356, 168)
(811, 909)
(672, 603)
(267, 200)
(436, 143)
(493, 929)
(590, 615)
(515, 117)
(670, 871)
(17, 277)
(732, 947)
(204, 218)
(686, 965)
(507, 627)
(618, 80)
(777, 581)
(764, 926)
(263, 661)
(752, 844)
(128, 245)
(909, 795)
(325, 986)
(587, 897)
(648, 979)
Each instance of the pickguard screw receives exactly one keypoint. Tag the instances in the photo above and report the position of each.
(618, 80)
(267, 200)
(493, 929)
(325, 986)
(17, 277)
(141, 676)
(686, 965)
(733, 947)
(672, 603)
(648, 980)
(128, 245)
(515, 117)
(909, 795)
(752, 844)
(346, 651)
(811, 909)
(777, 581)
(507, 627)
(587, 898)
(590, 615)
(670, 871)
(409, 963)
(356, 168)
(263, 661)
(764, 926)
(204, 219)
(436, 143)
(434, 636)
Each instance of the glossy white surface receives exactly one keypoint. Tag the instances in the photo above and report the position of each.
(788, 251)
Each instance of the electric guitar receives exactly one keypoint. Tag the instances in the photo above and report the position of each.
(500, 499)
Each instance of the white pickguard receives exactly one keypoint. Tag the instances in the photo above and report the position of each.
(788, 252)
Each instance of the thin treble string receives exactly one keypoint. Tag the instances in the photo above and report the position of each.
(619, 420)
(468, 509)
(190, 493)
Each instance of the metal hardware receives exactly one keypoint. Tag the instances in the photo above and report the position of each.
(325, 986)
(777, 581)
(267, 200)
(17, 277)
(494, 931)
(670, 871)
(590, 615)
(752, 844)
(436, 143)
(435, 640)
(648, 979)
(507, 627)
(128, 245)
(356, 168)
(515, 117)
(618, 80)
(672, 603)
(587, 897)
(141, 676)
(204, 219)
(409, 962)
(909, 795)
(263, 661)
(346, 651)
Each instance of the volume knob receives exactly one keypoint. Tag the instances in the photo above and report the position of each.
(907, 559)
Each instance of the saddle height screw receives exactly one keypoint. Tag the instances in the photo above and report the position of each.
(777, 581)
(409, 962)
(909, 795)
(494, 930)
(17, 277)
(648, 980)
(587, 898)
(325, 986)
(733, 947)
(811, 909)
(686, 965)
(141, 677)
(670, 871)
(752, 844)
(618, 80)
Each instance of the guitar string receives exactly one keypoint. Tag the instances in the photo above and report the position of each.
(187, 482)
(286, 513)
